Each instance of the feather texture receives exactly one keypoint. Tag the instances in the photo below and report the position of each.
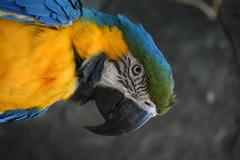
(26, 50)
(20, 115)
(141, 44)
(47, 12)
(31, 74)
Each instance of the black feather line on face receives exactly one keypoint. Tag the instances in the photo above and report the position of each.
(136, 85)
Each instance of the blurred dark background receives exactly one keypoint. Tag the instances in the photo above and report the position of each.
(204, 125)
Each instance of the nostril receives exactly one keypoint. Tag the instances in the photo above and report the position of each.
(147, 103)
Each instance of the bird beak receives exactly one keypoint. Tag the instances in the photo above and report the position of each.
(122, 115)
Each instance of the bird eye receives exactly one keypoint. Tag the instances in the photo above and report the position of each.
(136, 69)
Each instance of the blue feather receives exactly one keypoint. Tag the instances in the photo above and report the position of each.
(135, 34)
(28, 2)
(38, 11)
(9, 7)
(99, 17)
(48, 12)
(49, 20)
(54, 8)
(20, 115)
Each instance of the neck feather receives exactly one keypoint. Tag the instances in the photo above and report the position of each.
(90, 39)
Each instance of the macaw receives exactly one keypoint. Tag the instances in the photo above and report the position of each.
(54, 50)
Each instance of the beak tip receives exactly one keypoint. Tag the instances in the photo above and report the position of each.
(121, 114)
(89, 128)
(100, 130)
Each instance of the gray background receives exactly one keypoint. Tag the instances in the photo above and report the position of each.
(204, 125)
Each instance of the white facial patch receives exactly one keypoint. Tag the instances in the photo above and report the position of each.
(127, 75)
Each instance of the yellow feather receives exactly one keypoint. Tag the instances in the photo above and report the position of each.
(37, 66)
(90, 39)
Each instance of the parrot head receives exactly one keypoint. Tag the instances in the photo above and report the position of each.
(130, 90)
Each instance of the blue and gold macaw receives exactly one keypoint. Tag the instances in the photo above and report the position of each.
(54, 50)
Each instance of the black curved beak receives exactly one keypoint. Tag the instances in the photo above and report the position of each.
(121, 114)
